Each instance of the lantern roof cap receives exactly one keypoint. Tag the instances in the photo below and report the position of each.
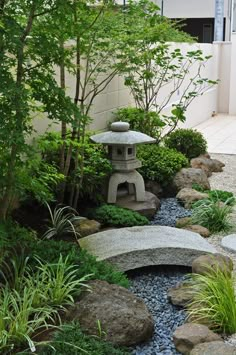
(121, 135)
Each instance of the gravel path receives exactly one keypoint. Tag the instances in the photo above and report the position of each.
(225, 180)
(152, 287)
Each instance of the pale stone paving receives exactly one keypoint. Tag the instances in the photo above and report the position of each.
(226, 181)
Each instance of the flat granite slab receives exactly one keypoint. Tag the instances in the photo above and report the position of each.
(135, 247)
(229, 242)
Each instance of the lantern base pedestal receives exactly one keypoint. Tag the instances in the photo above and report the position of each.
(147, 208)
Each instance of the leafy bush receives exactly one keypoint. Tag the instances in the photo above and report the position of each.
(189, 142)
(23, 242)
(110, 215)
(140, 120)
(71, 340)
(94, 166)
(214, 300)
(212, 215)
(160, 163)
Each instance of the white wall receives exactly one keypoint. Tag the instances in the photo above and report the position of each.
(232, 83)
(190, 8)
(220, 98)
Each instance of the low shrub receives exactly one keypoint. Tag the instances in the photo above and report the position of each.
(110, 215)
(160, 163)
(71, 340)
(212, 215)
(189, 142)
(140, 120)
(214, 300)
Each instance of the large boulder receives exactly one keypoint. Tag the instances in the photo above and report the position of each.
(207, 165)
(123, 317)
(186, 177)
(188, 196)
(213, 348)
(147, 208)
(204, 263)
(180, 295)
(187, 336)
(87, 226)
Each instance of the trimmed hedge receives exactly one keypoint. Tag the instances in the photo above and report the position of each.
(110, 215)
(189, 142)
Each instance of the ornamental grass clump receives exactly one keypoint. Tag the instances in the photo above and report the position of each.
(214, 301)
(31, 300)
(213, 215)
(62, 220)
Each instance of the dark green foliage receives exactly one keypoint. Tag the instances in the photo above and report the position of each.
(224, 196)
(110, 215)
(160, 163)
(189, 142)
(14, 239)
(199, 188)
(149, 123)
(71, 340)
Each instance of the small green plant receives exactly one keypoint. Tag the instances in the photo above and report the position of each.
(19, 319)
(110, 215)
(212, 215)
(140, 120)
(217, 195)
(31, 300)
(160, 163)
(62, 221)
(71, 340)
(58, 283)
(224, 196)
(189, 142)
(214, 300)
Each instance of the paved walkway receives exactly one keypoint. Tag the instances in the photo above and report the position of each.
(220, 133)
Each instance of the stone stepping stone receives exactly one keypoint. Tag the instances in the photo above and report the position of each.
(229, 242)
(135, 247)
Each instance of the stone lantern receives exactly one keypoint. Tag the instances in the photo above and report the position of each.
(122, 153)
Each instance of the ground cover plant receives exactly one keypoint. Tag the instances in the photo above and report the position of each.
(217, 195)
(189, 142)
(110, 215)
(214, 300)
(160, 163)
(71, 340)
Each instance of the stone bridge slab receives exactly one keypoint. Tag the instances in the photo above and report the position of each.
(135, 247)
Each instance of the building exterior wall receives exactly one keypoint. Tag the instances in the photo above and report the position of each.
(117, 95)
(191, 8)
